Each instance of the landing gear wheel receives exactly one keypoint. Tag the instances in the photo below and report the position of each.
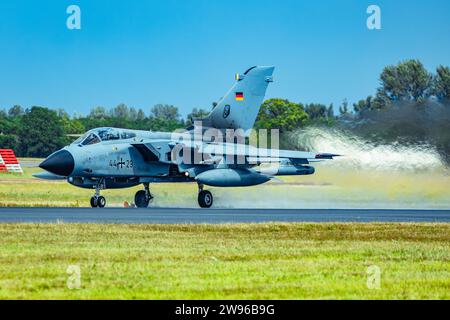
(94, 202)
(97, 200)
(141, 199)
(205, 199)
(101, 202)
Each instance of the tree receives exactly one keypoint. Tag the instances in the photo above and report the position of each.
(441, 85)
(330, 111)
(158, 124)
(72, 126)
(195, 114)
(165, 112)
(41, 132)
(316, 111)
(15, 111)
(363, 105)
(8, 141)
(343, 109)
(132, 114)
(281, 114)
(407, 81)
(98, 113)
(140, 115)
(121, 111)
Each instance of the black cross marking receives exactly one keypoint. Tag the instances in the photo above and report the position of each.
(121, 163)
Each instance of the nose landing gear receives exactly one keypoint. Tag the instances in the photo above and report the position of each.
(97, 200)
(143, 197)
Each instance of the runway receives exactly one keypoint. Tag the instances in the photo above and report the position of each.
(194, 215)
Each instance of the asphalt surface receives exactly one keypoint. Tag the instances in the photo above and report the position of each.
(194, 215)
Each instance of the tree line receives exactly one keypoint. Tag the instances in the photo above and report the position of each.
(38, 131)
(405, 88)
(406, 85)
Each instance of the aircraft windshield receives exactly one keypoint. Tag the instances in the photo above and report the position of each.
(79, 139)
(92, 138)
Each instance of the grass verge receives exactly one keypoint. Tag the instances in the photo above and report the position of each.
(239, 261)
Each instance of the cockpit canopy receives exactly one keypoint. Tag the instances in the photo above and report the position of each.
(103, 134)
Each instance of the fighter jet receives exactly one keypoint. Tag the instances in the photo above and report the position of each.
(212, 152)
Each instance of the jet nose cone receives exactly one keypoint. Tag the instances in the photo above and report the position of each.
(60, 163)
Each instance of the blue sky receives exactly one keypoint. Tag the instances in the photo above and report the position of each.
(186, 52)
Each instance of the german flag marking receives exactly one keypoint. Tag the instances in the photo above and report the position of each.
(239, 96)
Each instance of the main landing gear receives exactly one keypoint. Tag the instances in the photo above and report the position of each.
(143, 197)
(205, 197)
(97, 200)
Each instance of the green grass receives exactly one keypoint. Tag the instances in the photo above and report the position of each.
(267, 261)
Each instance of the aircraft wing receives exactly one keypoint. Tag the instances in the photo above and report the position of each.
(256, 155)
(160, 150)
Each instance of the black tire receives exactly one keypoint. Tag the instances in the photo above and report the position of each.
(101, 202)
(94, 202)
(140, 199)
(205, 199)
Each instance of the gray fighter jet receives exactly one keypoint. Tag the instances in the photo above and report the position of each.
(213, 152)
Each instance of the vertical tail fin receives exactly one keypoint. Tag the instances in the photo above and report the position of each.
(239, 108)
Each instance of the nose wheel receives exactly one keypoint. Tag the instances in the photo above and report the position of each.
(205, 198)
(143, 197)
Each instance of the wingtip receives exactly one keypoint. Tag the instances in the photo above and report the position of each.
(327, 155)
